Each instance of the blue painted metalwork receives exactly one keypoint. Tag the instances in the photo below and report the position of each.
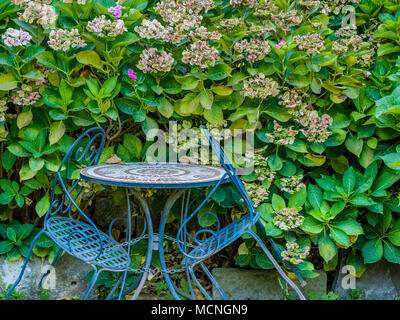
(80, 238)
(219, 238)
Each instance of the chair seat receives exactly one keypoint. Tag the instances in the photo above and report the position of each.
(82, 240)
(225, 236)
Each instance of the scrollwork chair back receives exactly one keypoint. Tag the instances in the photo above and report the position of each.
(196, 250)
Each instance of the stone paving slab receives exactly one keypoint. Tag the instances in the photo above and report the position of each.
(381, 281)
(243, 284)
(67, 279)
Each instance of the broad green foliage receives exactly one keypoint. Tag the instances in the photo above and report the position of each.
(16, 239)
(322, 97)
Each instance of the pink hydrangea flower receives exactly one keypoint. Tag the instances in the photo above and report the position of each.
(116, 11)
(131, 74)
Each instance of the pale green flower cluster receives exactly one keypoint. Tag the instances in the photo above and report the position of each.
(253, 49)
(200, 54)
(294, 254)
(292, 184)
(311, 43)
(153, 60)
(15, 38)
(37, 11)
(282, 135)
(62, 39)
(288, 218)
(104, 27)
(260, 87)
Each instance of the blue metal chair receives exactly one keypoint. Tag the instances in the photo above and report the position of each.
(196, 249)
(79, 238)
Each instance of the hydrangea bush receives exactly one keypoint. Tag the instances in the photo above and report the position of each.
(316, 80)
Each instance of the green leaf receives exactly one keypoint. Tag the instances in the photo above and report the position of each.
(8, 160)
(44, 242)
(24, 231)
(190, 83)
(349, 180)
(6, 246)
(372, 251)
(391, 252)
(327, 183)
(298, 146)
(90, 58)
(386, 180)
(387, 48)
(266, 211)
(31, 52)
(275, 162)
(312, 225)
(362, 200)
(263, 261)
(277, 113)
(6, 198)
(189, 103)
(11, 234)
(133, 145)
(277, 202)
(314, 196)
(349, 226)
(7, 82)
(43, 205)
(24, 119)
(222, 90)
(65, 92)
(57, 131)
(298, 198)
(206, 99)
(336, 209)
(339, 236)
(327, 248)
(26, 172)
(394, 236)
(126, 38)
(47, 58)
(354, 145)
(392, 160)
(36, 164)
(166, 108)
(219, 72)
(18, 150)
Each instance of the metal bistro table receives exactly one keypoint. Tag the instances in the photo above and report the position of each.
(178, 177)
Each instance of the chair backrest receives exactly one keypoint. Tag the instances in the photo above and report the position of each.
(230, 170)
(85, 151)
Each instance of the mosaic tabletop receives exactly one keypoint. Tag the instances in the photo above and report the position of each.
(153, 175)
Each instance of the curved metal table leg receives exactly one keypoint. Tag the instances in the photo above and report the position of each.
(167, 208)
(128, 240)
(149, 253)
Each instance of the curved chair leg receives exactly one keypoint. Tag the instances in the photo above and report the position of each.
(276, 265)
(24, 265)
(278, 252)
(114, 288)
(53, 264)
(92, 282)
(204, 291)
(214, 282)
(189, 278)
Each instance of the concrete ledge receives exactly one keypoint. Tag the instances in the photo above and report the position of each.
(244, 284)
(66, 280)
